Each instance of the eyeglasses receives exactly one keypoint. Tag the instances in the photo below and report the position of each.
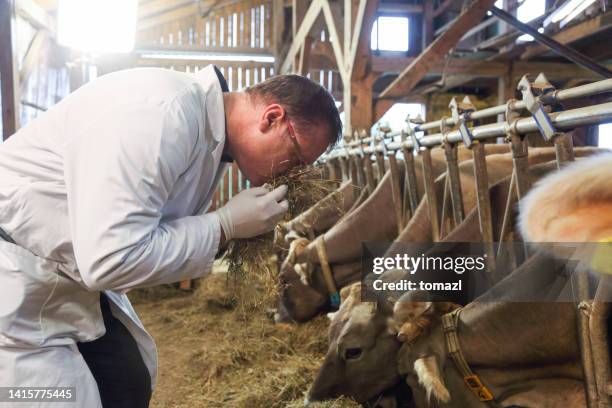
(296, 145)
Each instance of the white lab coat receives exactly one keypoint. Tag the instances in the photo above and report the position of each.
(107, 191)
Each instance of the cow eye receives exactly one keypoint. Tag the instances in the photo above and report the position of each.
(352, 353)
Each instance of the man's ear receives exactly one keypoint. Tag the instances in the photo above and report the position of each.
(272, 114)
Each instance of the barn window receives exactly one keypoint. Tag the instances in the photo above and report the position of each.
(390, 34)
(605, 136)
(395, 117)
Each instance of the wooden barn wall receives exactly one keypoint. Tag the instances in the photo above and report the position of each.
(244, 26)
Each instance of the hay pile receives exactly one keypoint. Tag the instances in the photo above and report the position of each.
(249, 259)
(214, 353)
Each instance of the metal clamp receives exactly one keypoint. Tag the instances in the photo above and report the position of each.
(444, 130)
(532, 94)
(511, 115)
(460, 112)
(416, 145)
(360, 144)
(385, 129)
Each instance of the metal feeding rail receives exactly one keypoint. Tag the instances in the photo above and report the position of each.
(527, 125)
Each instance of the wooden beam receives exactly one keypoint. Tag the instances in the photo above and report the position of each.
(278, 22)
(333, 19)
(157, 7)
(437, 50)
(32, 12)
(427, 23)
(573, 33)
(309, 19)
(9, 75)
(303, 65)
(188, 10)
(298, 12)
(360, 44)
(32, 55)
(362, 103)
(476, 68)
(442, 8)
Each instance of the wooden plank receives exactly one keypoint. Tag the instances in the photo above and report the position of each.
(408, 79)
(333, 19)
(442, 8)
(309, 18)
(268, 25)
(31, 11)
(8, 70)
(360, 55)
(572, 34)
(361, 102)
(187, 10)
(427, 23)
(248, 10)
(278, 26)
(33, 55)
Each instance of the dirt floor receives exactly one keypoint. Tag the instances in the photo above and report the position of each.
(218, 347)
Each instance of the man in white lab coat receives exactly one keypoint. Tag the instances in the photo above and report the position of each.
(108, 191)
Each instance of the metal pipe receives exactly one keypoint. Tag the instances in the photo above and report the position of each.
(561, 95)
(587, 115)
(554, 45)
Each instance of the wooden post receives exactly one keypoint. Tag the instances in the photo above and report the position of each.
(9, 73)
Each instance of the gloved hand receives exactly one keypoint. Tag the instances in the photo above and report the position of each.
(252, 212)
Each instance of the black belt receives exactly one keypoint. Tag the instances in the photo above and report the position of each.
(5, 236)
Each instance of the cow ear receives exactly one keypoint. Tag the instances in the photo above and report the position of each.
(428, 373)
(571, 205)
(404, 311)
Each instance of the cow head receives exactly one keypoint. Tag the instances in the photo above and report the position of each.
(298, 300)
(361, 359)
(365, 339)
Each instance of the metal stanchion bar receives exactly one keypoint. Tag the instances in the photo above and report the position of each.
(411, 192)
(430, 194)
(452, 167)
(396, 192)
(557, 96)
(588, 115)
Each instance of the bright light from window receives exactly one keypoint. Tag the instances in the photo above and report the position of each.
(395, 117)
(97, 25)
(390, 34)
(527, 11)
(605, 135)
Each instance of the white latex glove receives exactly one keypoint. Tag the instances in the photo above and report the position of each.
(253, 212)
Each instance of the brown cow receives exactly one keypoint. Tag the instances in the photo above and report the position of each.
(365, 346)
(300, 301)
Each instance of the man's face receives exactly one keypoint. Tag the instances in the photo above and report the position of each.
(272, 144)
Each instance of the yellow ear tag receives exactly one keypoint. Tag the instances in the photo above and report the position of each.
(478, 388)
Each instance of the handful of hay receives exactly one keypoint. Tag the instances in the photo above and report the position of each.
(249, 259)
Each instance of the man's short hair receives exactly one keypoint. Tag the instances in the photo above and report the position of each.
(305, 101)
